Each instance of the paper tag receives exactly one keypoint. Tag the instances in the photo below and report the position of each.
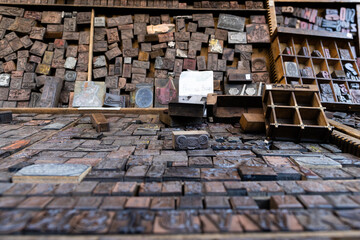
(247, 76)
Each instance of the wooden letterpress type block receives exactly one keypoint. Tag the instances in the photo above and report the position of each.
(170, 53)
(111, 82)
(26, 42)
(70, 63)
(189, 64)
(161, 73)
(43, 69)
(83, 58)
(231, 22)
(138, 70)
(71, 36)
(33, 15)
(237, 37)
(112, 35)
(54, 31)
(50, 47)
(258, 5)
(243, 48)
(217, 85)
(200, 37)
(99, 61)
(143, 56)
(10, 57)
(257, 33)
(189, 140)
(141, 18)
(38, 48)
(151, 38)
(201, 63)
(99, 34)
(6, 22)
(191, 53)
(51, 17)
(180, 25)
(215, 46)
(157, 53)
(127, 34)
(113, 53)
(182, 36)
(218, 76)
(165, 91)
(70, 25)
(100, 46)
(48, 57)
(111, 70)
(243, 66)
(30, 67)
(165, 18)
(70, 76)
(258, 64)
(37, 33)
(221, 65)
(121, 83)
(146, 47)
(221, 34)
(195, 45)
(130, 87)
(249, 4)
(166, 37)
(181, 53)
(291, 69)
(11, 36)
(51, 92)
(99, 22)
(155, 20)
(5, 80)
(69, 86)
(158, 46)
(260, 19)
(127, 60)
(22, 25)
(60, 73)
(127, 43)
(206, 22)
(178, 66)
(58, 63)
(81, 76)
(100, 72)
(212, 61)
(228, 54)
(138, 78)
(192, 27)
(15, 44)
(114, 45)
(83, 18)
(9, 66)
(131, 52)
(140, 28)
(72, 51)
(126, 27)
(141, 64)
(126, 71)
(84, 37)
(182, 45)
(19, 95)
(16, 83)
(4, 93)
(261, 77)
(117, 21)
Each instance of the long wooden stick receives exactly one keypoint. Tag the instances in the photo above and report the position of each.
(85, 111)
(91, 45)
(346, 129)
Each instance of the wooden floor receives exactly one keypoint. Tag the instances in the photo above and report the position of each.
(242, 187)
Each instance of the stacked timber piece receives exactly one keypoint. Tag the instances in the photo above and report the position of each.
(42, 54)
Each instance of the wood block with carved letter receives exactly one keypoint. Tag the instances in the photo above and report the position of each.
(189, 140)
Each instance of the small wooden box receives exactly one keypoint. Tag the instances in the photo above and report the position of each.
(253, 122)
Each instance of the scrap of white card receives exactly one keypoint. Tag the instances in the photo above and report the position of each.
(196, 83)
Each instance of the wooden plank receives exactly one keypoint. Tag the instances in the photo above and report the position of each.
(263, 235)
(91, 48)
(313, 33)
(99, 122)
(358, 22)
(346, 129)
(84, 111)
(253, 122)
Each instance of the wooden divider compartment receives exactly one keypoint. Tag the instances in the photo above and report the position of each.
(293, 111)
(330, 61)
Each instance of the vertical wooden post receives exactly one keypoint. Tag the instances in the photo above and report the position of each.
(272, 16)
(91, 45)
(358, 26)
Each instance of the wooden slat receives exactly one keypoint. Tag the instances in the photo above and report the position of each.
(312, 33)
(346, 129)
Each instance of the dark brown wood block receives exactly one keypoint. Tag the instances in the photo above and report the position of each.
(19, 95)
(51, 92)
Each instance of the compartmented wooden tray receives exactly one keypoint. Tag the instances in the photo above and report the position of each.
(294, 112)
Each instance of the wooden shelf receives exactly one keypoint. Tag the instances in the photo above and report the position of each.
(313, 33)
